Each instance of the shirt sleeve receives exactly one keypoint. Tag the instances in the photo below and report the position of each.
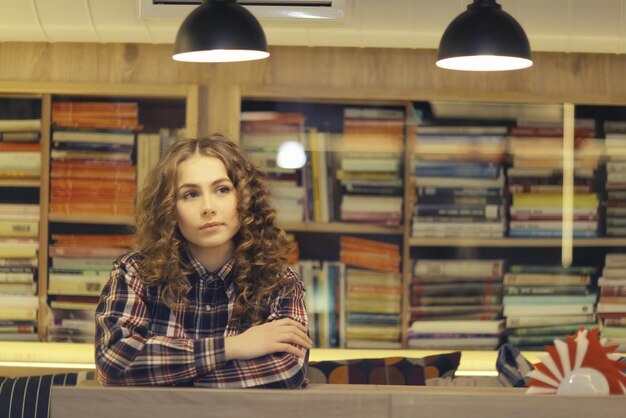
(278, 370)
(128, 352)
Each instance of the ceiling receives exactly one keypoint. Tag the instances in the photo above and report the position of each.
(551, 25)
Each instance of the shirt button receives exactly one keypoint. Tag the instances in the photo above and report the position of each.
(208, 308)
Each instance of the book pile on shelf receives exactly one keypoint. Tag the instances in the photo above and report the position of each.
(319, 178)
(81, 265)
(459, 181)
(615, 148)
(19, 231)
(150, 147)
(544, 302)
(324, 282)
(262, 134)
(20, 149)
(371, 166)
(92, 169)
(373, 301)
(456, 304)
(611, 307)
(535, 180)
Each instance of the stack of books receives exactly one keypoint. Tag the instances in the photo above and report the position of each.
(20, 149)
(615, 144)
(324, 282)
(81, 265)
(611, 307)
(371, 166)
(535, 180)
(92, 169)
(544, 302)
(456, 303)
(373, 293)
(262, 134)
(19, 231)
(459, 179)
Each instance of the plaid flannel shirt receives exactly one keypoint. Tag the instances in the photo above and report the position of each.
(140, 341)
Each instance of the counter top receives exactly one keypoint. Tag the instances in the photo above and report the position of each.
(328, 401)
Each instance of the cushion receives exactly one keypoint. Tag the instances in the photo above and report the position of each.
(29, 397)
(385, 371)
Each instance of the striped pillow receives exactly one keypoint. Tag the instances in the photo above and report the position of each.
(29, 397)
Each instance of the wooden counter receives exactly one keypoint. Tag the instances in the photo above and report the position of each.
(328, 401)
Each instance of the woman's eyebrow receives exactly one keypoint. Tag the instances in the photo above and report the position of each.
(218, 181)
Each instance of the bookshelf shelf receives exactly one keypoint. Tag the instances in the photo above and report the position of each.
(513, 242)
(342, 227)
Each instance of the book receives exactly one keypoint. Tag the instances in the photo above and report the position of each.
(553, 199)
(82, 263)
(546, 290)
(18, 247)
(458, 326)
(455, 300)
(471, 342)
(18, 288)
(15, 228)
(608, 307)
(67, 282)
(18, 336)
(458, 268)
(18, 262)
(456, 169)
(17, 314)
(20, 160)
(98, 136)
(560, 330)
(556, 309)
(16, 276)
(19, 301)
(539, 279)
(20, 125)
(509, 300)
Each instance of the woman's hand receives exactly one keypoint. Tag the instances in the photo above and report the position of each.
(281, 336)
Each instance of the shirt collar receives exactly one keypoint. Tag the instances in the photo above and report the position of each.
(223, 273)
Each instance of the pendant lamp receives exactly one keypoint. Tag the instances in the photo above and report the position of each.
(220, 31)
(484, 38)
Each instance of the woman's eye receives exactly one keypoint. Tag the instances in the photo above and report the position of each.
(189, 195)
(223, 189)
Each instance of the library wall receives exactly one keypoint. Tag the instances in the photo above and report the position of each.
(316, 72)
(388, 77)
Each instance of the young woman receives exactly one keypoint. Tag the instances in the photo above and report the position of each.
(207, 298)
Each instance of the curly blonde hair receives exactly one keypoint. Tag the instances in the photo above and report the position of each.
(261, 247)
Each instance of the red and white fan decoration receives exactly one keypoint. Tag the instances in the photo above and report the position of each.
(580, 365)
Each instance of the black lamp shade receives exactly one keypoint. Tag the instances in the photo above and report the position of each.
(220, 31)
(484, 33)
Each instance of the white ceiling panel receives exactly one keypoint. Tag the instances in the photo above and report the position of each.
(118, 21)
(55, 15)
(19, 20)
(551, 25)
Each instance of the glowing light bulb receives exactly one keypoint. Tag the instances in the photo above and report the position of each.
(291, 155)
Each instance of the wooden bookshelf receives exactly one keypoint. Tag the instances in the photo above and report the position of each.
(213, 98)
(185, 96)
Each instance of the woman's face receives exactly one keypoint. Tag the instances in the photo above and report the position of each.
(206, 209)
